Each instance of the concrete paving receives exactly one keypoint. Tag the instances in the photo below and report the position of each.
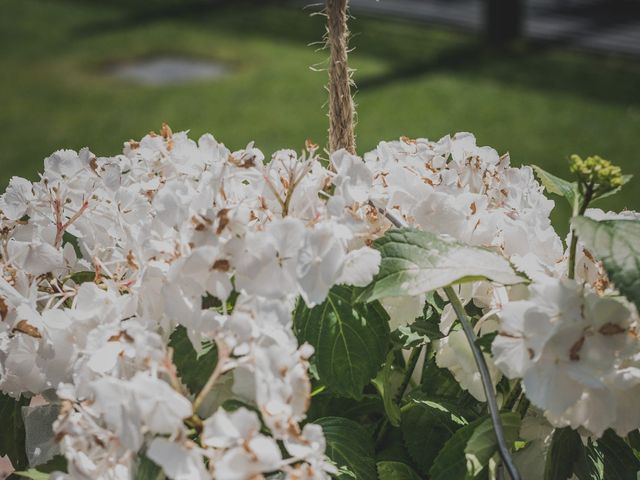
(606, 26)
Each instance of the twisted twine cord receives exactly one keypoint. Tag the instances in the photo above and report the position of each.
(341, 107)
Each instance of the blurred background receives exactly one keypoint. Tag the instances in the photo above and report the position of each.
(541, 79)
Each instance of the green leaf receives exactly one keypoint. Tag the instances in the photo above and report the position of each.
(619, 461)
(396, 471)
(424, 329)
(33, 474)
(349, 445)
(466, 450)
(73, 240)
(625, 180)
(450, 463)
(13, 436)
(566, 449)
(557, 185)
(457, 413)
(634, 440)
(426, 428)
(387, 383)
(148, 470)
(440, 382)
(415, 262)
(617, 244)
(362, 411)
(40, 444)
(350, 341)
(590, 465)
(194, 369)
(391, 448)
(406, 337)
(483, 444)
(83, 277)
(57, 464)
(485, 341)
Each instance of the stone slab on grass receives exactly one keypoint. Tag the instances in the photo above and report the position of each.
(168, 70)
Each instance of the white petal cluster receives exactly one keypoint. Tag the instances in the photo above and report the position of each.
(456, 188)
(471, 193)
(103, 257)
(455, 354)
(574, 343)
(172, 220)
(577, 353)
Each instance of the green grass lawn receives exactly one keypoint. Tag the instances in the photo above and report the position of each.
(539, 103)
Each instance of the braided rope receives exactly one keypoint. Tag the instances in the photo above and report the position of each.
(341, 107)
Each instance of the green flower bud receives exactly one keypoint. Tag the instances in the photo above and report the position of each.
(596, 173)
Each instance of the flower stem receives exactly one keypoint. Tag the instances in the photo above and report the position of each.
(513, 396)
(523, 406)
(62, 227)
(411, 366)
(574, 237)
(223, 354)
(486, 383)
(572, 255)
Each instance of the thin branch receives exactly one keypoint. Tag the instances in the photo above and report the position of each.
(273, 189)
(411, 366)
(223, 354)
(390, 216)
(513, 396)
(60, 227)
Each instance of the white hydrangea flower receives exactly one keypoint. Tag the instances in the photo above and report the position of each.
(456, 188)
(104, 256)
(574, 351)
(35, 258)
(360, 266)
(178, 461)
(15, 203)
(268, 265)
(157, 229)
(247, 451)
(468, 192)
(320, 263)
(453, 352)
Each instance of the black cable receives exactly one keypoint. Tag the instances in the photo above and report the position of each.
(481, 363)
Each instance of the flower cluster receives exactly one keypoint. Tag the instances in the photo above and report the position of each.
(453, 187)
(471, 193)
(577, 353)
(104, 257)
(575, 348)
(575, 344)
